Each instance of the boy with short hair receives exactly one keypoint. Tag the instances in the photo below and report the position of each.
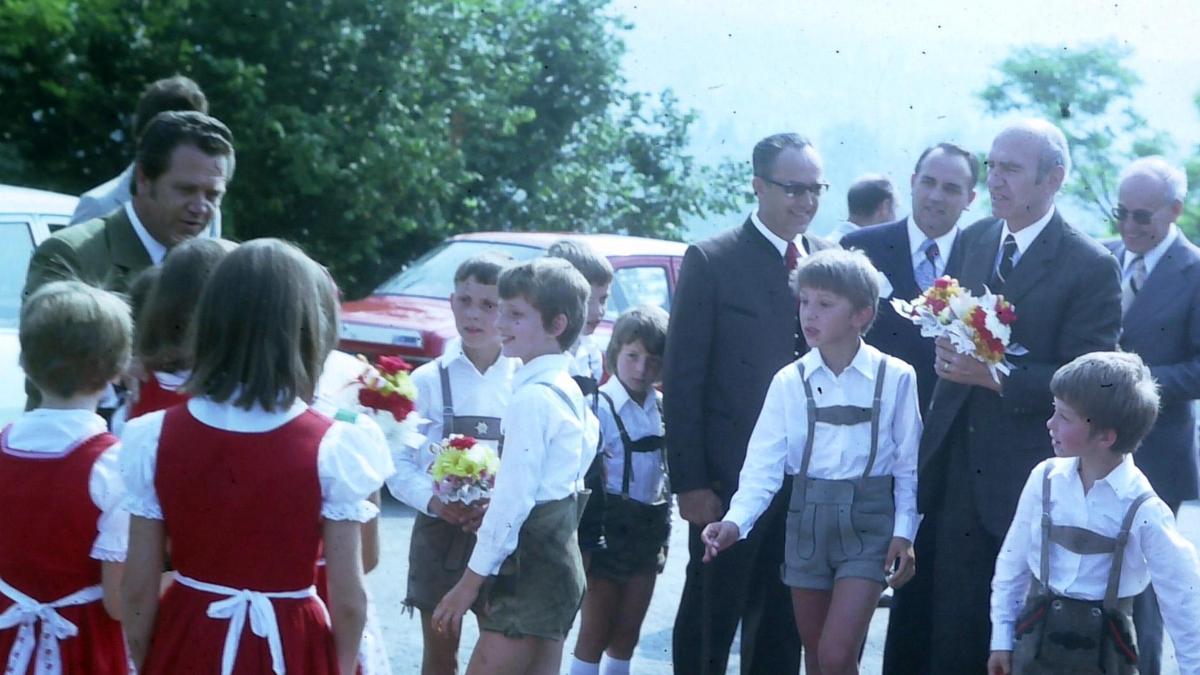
(587, 367)
(1089, 534)
(843, 422)
(64, 535)
(527, 540)
(463, 391)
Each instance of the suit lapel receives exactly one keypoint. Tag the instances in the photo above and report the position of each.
(980, 258)
(896, 256)
(1035, 263)
(1173, 265)
(125, 248)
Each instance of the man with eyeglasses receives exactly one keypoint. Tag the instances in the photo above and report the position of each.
(1160, 301)
(982, 437)
(733, 325)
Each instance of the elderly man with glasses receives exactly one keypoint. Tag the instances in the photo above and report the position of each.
(1160, 303)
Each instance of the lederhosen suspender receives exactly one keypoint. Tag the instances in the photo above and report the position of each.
(481, 428)
(652, 443)
(1086, 542)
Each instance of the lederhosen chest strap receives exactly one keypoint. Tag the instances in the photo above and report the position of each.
(1086, 542)
(478, 427)
(841, 415)
(652, 443)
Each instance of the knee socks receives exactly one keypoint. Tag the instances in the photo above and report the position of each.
(584, 668)
(614, 666)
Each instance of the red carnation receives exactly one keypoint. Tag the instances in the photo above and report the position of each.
(936, 305)
(943, 283)
(1005, 313)
(399, 406)
(390, 365)
(462, 443)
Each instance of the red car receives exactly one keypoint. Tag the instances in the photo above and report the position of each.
(410, 314)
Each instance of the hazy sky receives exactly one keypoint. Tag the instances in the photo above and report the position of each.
(874, 82)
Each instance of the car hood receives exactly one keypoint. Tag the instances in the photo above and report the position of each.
(395, 319)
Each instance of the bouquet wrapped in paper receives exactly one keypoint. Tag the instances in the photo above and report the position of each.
(388, 394)
(979, 326)
(463, 470)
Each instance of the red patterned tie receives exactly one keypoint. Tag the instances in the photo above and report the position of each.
(792, 257)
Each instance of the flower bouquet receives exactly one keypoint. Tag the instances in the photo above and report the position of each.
(463, 470)
(388, 394)
(979, 326)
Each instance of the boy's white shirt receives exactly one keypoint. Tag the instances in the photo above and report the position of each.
(646, 481)
(51, 433)
(587, 357)
(474, 394)
(776, 445)
(1156, 552)
(544, 456)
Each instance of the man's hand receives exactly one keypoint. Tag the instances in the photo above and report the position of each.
(962, 368)
(717, 537)
(900, 564)
(1000, 663)
(699, 507)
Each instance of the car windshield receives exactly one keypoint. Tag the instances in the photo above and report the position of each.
(432, 275)
(16, 247)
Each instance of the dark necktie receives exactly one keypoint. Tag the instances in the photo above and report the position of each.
(792, 256)
(1005, 268)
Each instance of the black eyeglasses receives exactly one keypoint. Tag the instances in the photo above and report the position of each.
(794, 190)
(1140, 216)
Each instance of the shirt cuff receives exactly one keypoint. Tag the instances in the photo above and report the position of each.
(906, 526)
(1002, 637)
(739, 518)
(415, 493)
(362, 512)
(483, 562)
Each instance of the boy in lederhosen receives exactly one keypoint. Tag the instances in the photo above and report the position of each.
(637, 512)
(587, 369)
(1089, 534)
(526, 547)
(843, 420)
(464, 391)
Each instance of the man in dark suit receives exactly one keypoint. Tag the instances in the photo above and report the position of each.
(982, 437)
(733, 325)
(1160, 298)
(911, 253)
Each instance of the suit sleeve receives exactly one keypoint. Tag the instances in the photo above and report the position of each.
(54, 260)
(1181, 381)
(1091, 322)
(689, 348)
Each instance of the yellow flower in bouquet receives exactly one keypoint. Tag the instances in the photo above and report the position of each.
(463, 470)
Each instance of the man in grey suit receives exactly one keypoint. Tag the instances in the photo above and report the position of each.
(1160, 299)
(983, 437)
(733, 326)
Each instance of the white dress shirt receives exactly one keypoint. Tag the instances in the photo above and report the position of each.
(1024, 238)
(474, 394)
(647, 479)
(1156, 552)
(777, 241)
(839, 452)
(44, 432)
(352, 458)
(587, 358)
(944, 243)
(1150, 257)
(544, 456)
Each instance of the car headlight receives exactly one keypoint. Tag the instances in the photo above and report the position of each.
(383, 335)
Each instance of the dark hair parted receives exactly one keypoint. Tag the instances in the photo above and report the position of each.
(867, 193)
(164, 322)
(1112, 390)
(957, 151)
(593, 266)
(484, 268)
(169, 93)
(267, 319)
(846, 273)
(769, 148)
(74, 338)
(552, 286)
(647, 323)
(169, 130)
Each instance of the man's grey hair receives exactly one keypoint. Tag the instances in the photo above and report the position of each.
(1055, 151)
(1174, 179)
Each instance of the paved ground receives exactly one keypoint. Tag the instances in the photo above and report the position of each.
(402, 633)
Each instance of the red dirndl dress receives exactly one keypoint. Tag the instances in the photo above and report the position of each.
(46, 536)
(153, 396)
(243, 513)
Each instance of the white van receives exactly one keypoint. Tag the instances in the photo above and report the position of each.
(27, 217)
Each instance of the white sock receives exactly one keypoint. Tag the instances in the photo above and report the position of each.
(614, 666)
(583, 667)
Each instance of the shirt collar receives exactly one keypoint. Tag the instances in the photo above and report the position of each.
(778, 242)
(229, 417)
(620, 396)
(1026, 236)
(540, 368)
(51, 431)
(1124, 480)
(866, 361)
(916, 237)
(153, 246)
(1155, 254)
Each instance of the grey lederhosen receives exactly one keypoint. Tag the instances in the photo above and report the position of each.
(439, 551)
(839, 528)
(539, 588)
(1067, 636)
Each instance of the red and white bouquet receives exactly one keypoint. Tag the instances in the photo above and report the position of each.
(388, 394)
(463, 469)
(979, 326)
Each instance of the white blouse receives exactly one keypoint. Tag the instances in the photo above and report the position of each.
(56, 433)
(352, 459)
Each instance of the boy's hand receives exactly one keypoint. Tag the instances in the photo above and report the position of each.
(447, 616)
(699, 507)
(900, 564)
(478, 509)
(455, 513)
(717, 537)
(1000, 663)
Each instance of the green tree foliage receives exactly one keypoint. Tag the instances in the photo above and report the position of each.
(366, 130)
(1088, 92)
